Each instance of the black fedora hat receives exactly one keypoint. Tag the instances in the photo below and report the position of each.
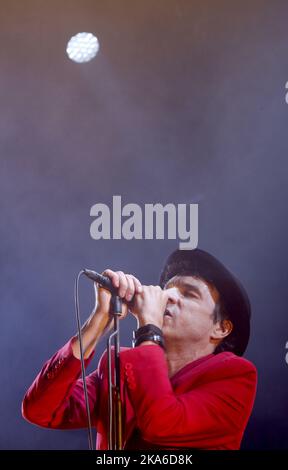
(201, 264)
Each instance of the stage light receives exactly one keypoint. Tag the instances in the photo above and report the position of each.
(82, 47)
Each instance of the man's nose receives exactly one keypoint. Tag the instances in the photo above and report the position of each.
(173, 295)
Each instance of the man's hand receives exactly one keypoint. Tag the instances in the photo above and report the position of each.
(146, 303)
(101, 321)
(127, 285)
(149, 306)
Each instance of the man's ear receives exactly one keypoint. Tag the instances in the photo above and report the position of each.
(221, 329)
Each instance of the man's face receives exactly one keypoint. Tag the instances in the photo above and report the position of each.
(189, 315)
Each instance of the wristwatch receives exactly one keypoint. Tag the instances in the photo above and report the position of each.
(156, 338)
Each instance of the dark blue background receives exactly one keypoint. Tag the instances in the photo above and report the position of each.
(185, 103)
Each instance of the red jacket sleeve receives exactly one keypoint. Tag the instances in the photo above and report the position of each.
(56, 398)
(210, 411)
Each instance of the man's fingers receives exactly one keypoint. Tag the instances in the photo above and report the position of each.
(123, 283)
(127, 284)
(113, 276)
(137, 285)
(131, 288)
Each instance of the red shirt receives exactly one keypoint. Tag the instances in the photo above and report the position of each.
(205, 405)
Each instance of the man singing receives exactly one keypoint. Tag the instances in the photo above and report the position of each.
(184, 384)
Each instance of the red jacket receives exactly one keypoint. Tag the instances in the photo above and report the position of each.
(205, 405)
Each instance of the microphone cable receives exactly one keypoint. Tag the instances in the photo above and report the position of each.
(77, 310)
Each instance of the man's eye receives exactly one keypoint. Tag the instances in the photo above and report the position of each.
(189, 294)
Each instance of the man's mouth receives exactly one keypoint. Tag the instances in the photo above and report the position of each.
(167, 313)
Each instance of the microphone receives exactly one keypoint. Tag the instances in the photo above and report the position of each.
(104, 281)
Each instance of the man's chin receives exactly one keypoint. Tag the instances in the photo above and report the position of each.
(167, 319)
(167, 329)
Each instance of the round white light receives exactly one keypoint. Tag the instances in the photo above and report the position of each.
(82, 47)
